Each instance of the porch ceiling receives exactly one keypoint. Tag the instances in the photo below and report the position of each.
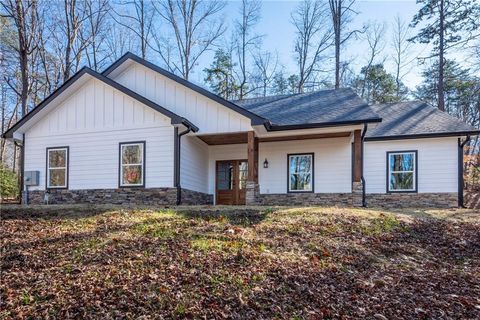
(242, 137)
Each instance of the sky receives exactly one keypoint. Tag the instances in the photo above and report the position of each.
(279, 33)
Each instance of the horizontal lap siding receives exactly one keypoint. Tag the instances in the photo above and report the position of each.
(333, 166)
(206, 114)
(92, 122)
(194, 165)
(437, 164)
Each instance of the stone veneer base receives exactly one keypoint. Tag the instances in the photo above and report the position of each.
(122, 196)
(413, 200)
(392, 200)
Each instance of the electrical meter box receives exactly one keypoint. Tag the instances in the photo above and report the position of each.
(31, 178)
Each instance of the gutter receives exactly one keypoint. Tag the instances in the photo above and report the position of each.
(364, 183)
(270, 127)
(177, 160)
(460, 170)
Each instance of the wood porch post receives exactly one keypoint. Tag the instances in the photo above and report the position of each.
(357, 151)
(252, 157)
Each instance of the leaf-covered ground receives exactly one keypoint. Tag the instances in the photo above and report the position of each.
(94, 262)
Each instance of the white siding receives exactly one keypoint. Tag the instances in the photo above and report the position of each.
(92, 122)
(223, 152)
(437, 163)
(208, 115)
(194, 164)
(332, 164)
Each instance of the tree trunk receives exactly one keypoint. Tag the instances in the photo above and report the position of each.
(441, 62)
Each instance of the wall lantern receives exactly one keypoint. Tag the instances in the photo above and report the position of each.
(265, 163)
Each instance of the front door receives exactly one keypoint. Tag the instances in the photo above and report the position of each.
(231, 180)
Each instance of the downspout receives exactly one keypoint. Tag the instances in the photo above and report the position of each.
(22, 170)
(364, 184)
(460, 170)
(177, 147)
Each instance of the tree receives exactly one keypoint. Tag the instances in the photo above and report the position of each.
(378, 86)
(374, 38)
(24, 15)
(401, 51)
(195, 27)
(450, 23)
(246, 39)
(140, 23)
(293, 85)
(266, 65)
(220, 76)
(280, 83)
(314, 35)
(341, 11)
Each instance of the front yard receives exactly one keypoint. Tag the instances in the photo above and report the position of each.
(103, 262)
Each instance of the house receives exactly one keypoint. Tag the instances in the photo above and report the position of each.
(139, 134)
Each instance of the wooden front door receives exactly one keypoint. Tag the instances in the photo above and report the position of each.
(231, 180)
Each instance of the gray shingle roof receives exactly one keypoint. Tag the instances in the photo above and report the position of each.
(325, 106)
(414, 118)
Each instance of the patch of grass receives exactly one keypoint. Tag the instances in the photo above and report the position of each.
(382, 224)
(26, 298)
(206, 244)
(154, 229)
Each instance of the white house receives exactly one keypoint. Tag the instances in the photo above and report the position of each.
(139, 134)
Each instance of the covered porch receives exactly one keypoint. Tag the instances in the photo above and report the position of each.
(251, 167)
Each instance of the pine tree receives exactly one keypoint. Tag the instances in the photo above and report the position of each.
(450, 23)
(220, 76)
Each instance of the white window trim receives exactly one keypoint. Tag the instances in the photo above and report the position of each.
(65, 185)
(414, 171)
(290, 156)
(142, 164)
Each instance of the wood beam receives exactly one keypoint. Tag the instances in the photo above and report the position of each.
(252, 157)
(306, 136)
(357, 153)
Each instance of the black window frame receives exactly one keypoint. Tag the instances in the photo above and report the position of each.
(144, 167)
(415, 171)
(312, 154)
(47, 168)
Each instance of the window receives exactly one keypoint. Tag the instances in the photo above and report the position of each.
(402, 171)
(300, 172)
(57, 167)
(132, 164)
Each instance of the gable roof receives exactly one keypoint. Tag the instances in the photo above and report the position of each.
(175, 119)
(255, 118)
(415, 119)
(313, 109)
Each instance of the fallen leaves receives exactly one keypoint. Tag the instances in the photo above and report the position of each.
(209, 263)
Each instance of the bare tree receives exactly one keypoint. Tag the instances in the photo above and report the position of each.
(196, 28)
(94, 32)
(314, 35)
(140, 23)
(266, 66)
(401, 50)
(375, 40)
(341, 12)
(246, 39)
(23, 13)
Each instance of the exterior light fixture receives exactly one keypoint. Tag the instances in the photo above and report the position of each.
(265, 163)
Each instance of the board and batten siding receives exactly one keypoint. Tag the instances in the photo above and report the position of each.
(208, 115)
(92, 122)
(194, 164)
(437, 163)
(332, 164)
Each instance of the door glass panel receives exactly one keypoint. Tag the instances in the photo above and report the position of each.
(225, 176)
(242, 174)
